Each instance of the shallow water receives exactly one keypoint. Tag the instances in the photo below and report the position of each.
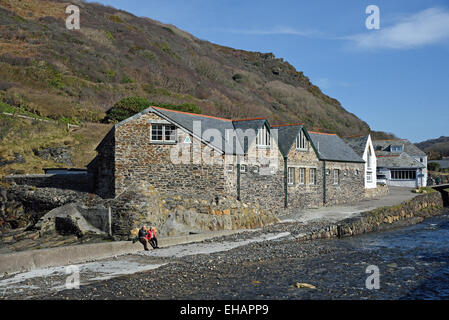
(426, 243)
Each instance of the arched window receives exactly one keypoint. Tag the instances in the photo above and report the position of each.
(301, 141)
(368, 160)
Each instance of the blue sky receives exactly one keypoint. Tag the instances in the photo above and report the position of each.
(395, 78)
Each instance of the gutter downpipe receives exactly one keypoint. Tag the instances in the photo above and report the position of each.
(285, 183)
(324, 182)
(238, 178)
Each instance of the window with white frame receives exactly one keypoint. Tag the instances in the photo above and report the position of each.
(230, 168)
(163, 133)
(263, 137)
(302, 175)
(291, 176)
(243, 168)
(403, 174)
(312, 176)
(396, 148)
(301, 141)
(336, 176)
(368, 160)
(369, 176)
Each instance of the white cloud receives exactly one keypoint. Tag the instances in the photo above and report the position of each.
(430, 26)
(276, 30)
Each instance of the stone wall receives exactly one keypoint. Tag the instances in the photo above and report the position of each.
(76, 182)
(139, 159)
(305, 195)
(103, 167)
(351, 184)
(263, 181)
(21, 206)
(407, 213)
(379, 191)
(178, 214)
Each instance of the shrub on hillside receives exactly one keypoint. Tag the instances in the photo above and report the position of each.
(432, 166)
(127, 107)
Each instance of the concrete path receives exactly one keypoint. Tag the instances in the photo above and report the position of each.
(27, 284)
(337, 213)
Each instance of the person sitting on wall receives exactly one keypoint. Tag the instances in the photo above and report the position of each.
(143, 232)
(151, 237)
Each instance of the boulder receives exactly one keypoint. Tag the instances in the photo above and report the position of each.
(66, 220)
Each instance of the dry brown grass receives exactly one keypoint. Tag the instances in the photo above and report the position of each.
(25, 135)
(35, 9)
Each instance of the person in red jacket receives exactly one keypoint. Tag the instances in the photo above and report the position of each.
(151, 237)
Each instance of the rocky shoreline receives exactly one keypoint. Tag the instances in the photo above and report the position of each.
(272, 269)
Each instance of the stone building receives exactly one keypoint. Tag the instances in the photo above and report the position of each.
(190, 154)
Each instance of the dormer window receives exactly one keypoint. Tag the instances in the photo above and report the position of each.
(263, 137)
(301, 141)
(396, 148)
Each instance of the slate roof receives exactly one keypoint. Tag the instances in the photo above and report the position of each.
(287, 136)
(248, 124)
(358, 144)
(402, 161)
(332, 148)
(187, 120)
(409, 148)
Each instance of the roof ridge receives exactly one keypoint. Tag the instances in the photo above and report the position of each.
(356, 135)
(389, 156)
(248, 119)
(330, 134)
(286, 125)
(193, 114)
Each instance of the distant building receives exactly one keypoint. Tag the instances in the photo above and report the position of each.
(363, 146)
(402, 163)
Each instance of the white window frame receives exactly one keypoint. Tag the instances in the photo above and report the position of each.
(312, 181)
(302, 176)
(163, 140)
(229, 168)
(301, 142)
(403, 175)
(397, 148)
(263, 138)
(290, 176)
(243, 168)
(368, 159)
(336, 177)
(369, 176)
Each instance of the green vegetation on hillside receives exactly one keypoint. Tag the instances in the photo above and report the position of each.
(129, 106)
(22, 136)
(436, 149)
(56, 73)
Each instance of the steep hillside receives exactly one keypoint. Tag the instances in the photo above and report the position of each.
(78, 75)
(435, 148)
